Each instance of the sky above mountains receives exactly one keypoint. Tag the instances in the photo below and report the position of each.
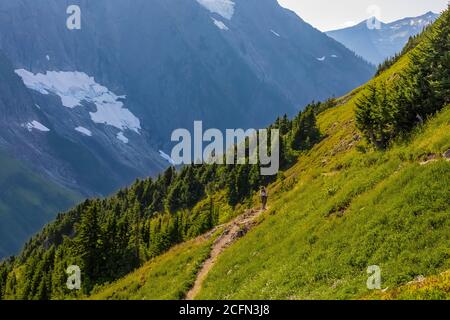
(330, 15)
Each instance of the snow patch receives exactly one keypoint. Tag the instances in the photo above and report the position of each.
(166, 157)
(47, 57)
(219, 24)
(275, 33)
(321, 59)
(75, 87)
(84, 131)
(225, 8)
(120, 136)
(37, 106)
(334, 56)
(36, 125)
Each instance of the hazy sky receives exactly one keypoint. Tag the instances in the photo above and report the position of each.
(334, 14)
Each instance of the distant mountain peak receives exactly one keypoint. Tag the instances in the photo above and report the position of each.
(383, 41)
(373, 18)
(431, 13)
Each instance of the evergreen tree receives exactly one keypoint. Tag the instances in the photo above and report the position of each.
(88, 246)
(420, 91)
(4, 271)
(305, 132)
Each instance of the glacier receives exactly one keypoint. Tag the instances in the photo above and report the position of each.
(84, 131)
(73, 87)
(36, 125)
(275, 33)
(225, 8)
(219, 24)
(166, 157)
(120, 136)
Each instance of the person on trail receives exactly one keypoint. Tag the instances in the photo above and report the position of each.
(264, 197)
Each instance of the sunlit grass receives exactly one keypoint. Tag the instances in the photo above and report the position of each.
(348, 207)
(340, 209)
(167, 277)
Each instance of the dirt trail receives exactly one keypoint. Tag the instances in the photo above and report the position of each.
(231, 232)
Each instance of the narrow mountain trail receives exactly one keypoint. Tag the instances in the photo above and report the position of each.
(432, 157)
(232, 231)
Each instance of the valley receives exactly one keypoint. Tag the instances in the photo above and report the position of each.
(94, 106)
(361, 191)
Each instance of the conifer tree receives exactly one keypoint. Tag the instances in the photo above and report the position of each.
(88, 246)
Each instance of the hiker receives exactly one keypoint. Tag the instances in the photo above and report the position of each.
(264, 197)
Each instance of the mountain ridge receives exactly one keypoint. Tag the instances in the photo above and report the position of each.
(100, 102)
(406, 160)
(340, 206)
(377, 45)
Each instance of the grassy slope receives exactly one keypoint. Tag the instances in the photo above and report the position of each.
(431, 288)
(338, 210)
(40, 202)
(166, 277)
(347, 210)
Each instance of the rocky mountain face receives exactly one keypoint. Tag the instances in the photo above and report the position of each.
(88, 110)
(28, 199)
(377, 44)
